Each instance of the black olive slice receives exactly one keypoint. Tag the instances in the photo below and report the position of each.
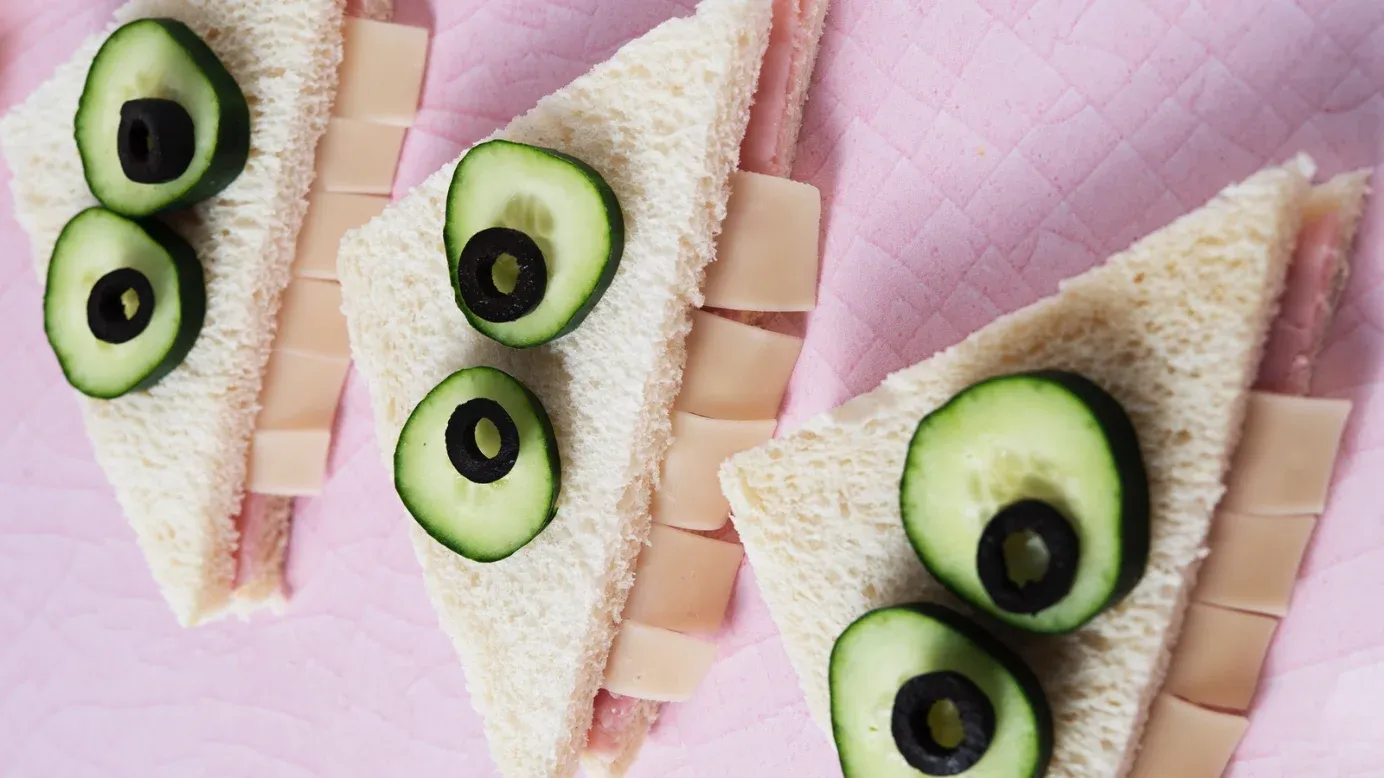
(465, 452)
(156, 140)
(476, 281)
(107, 314)
(1063, 552)
(913, 730)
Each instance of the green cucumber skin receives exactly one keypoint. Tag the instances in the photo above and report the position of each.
(233, 133)
(615, 226)
(1134, 500)
(550, 438)
(192, 305)
(192, 299)
(1017, 667)
(1134, 496)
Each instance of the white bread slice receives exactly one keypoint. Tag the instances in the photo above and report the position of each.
(1173, 327)
(176, 454)
(662, 121)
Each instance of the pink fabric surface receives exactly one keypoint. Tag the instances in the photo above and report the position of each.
(970, 153)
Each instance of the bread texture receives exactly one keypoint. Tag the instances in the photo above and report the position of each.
(662, 122)
(176, 454)
(1174, 328)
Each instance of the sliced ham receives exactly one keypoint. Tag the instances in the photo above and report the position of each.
(768, 146)
(613, 714)
(1315, 280)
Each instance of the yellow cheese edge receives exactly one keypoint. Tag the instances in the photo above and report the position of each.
(1286, 455)
(689, 494)
(1253, 561)
(735, 371)
(683, 581)
(359, 157)
(1184, 740)
(651, 663)
(1219, 656)
(766, 254)
(381, 73)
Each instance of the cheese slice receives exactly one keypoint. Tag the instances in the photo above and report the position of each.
(300, 391)
(1254, 560)
(289, 462)
(688, 494)
(766, 255)
(358, 156)
(1218, 656)
(1286, 454)
(683, 581)
(381, 71)
(311, 321)
(330, 215)
(1182, 740)
(656, 664)
(734, 370)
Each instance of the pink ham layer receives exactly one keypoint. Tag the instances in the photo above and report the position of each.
(249, 524)
(1314, 281)
(784, 66)
(609, 720)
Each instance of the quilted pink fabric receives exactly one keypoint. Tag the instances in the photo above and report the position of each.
(971, 153)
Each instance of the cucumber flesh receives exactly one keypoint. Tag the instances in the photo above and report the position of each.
(1044, 444)
(477, 464)
(561, 205)
(123, 303)
(987, 718)
(160, 59)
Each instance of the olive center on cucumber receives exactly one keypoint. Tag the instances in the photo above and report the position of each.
(472, 444)
(156, 140)
(501, 275)
(943, 723)
(120, 306)
(1027, 557)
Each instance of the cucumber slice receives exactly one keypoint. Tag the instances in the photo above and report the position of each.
(125, 110)
(123, 304)
(533, 239)
(477, 464)
(920, 690)
(1026, 496)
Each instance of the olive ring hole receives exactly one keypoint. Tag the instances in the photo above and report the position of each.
(501, 274)
(1027, 557)
(120, 306)
(156, 140)
(482, 441)
(943, 723)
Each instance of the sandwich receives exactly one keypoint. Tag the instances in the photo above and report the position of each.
(534, 324)
(183, 181)
(984, 565)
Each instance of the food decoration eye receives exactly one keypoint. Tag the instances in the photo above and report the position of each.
(477, 464)
(919, 689)
(533, 239)
(123, 304)
(1026, 496)
(160, 124)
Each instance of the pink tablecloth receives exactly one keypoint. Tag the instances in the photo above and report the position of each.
(970, 152)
